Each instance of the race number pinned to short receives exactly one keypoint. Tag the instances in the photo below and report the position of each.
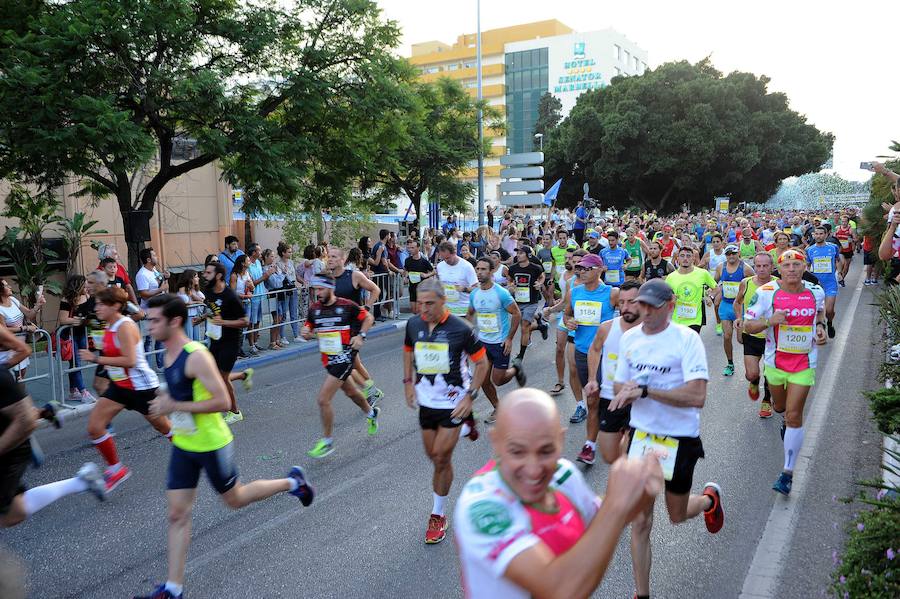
(183, 423)
(666, 449)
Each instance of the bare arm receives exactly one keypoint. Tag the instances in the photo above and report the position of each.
(692, 394)
(886, 249)
(363, 282)
(8, 341)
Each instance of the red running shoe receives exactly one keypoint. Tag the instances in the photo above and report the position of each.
(114, 479)
(753, 392)
(715, 515)
(437, 529)
(587, 455)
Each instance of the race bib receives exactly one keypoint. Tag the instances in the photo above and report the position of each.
(560, 270)
(183, 423)
(415, 277)
(97, 337)
(845, 243)
(116, 373)
(795, 339)
(612, 276)
(213, 331)
(451, 293)
(685, 311)
(432, 358)
(548, 267)
(488, 323)
(822, 265)
(730, 289)
(330, 343)
(665, 447)
(588, 313)
(523, 295)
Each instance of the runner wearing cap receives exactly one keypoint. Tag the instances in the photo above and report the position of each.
(729, 276)
(590, 303)
(526, 280)
(792, 313)
(340, 326)
(662, 374)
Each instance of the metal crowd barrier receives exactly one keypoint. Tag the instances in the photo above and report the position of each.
(36, 359)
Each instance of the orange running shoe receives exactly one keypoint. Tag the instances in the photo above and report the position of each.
(715, 515)
(753, 392)
(437, 529)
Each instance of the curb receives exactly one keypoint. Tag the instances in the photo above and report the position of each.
(307, 347)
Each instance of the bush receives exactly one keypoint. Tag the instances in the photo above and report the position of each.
(869, 565)
(885, 406)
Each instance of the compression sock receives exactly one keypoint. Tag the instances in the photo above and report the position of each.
(767, 395)
(38, 498)
(522, 349)
(793, 439)
(438, 507)
(107, 448)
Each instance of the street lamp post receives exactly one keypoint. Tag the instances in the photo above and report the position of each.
(540, 138)
(480, 118)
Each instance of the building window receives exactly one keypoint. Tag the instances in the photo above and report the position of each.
(453, 67)
(469, 65)
(527, 79)
(430, 70)
(617, 52)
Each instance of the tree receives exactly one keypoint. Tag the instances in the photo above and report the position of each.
(549, 117)
(106, 91)
(23, 245)
(683, 134)
(440, 142)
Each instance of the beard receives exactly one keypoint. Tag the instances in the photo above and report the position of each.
(630, 318)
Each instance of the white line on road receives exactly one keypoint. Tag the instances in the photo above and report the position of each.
(768, 561)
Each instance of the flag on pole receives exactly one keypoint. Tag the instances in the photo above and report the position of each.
(550, 196)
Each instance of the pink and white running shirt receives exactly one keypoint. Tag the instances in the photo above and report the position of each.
(790, 346)
(493, 526)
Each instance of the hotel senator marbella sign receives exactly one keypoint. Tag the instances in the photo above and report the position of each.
(580, 72)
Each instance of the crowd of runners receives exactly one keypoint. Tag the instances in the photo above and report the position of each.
(623, 299)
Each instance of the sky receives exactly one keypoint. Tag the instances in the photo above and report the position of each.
(835, 60)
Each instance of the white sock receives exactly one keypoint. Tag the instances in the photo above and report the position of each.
(793, 439)
(591, 444)
(173, 588)
(294, 484)
(40, 497)
(438, 507)
(582, 404)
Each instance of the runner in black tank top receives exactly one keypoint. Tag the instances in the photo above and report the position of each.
(343, 287)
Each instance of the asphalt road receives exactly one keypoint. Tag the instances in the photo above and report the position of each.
(363, 536)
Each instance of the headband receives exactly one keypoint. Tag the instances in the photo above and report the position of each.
(321, 282)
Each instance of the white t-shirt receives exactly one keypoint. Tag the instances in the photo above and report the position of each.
(146, 280)
(461, 273)
(12, 317)
(493, 526)
(666, 360)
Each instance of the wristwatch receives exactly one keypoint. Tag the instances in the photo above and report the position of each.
(473, 393)
(363, 335)
(643, 390)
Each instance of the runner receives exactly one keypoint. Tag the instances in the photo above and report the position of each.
(224, 325)
(497, 316)
(350, 285)
(689, 282)
(749, 246)
(417, 268)
(637, 249)
(711, 261)
(791, 312)
(525, 281)
(604, 427)
(436, 378)
(825, 259)
(754, 344)
(663, 376)
(562, 332)
(846, 237)
(656, 267)
(587, 306)
(616, 260)
(559, 252)
(195, 398)
(133, 383)
(340, 326)
(528, 523)
(729, 276)
(458, 278)
(545, 257)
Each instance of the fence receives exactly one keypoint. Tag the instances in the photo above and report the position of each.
(273, 305)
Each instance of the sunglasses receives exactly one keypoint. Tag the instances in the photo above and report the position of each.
(579, 267)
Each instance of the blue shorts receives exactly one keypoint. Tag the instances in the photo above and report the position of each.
(829, 284)
(254, 310)
(498, 359)
(726, 311)
(185, 467)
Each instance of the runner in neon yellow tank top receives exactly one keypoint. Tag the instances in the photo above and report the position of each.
(754, 343)
(202, 441)
(688, 282)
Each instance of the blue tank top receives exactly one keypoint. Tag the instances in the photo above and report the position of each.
(590, 308)
(821, 260)
(731, 281)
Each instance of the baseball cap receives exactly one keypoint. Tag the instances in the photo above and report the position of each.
(731, 248)
(526, 249)
(655, 292)
(594, 235)
(592, 261)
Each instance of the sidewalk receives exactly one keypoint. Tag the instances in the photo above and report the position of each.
(265, 359)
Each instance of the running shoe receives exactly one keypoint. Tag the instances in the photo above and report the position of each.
(91, 476)
(48, 413)
(841, 283)
(728, 370)
(248, 379)
(753, 392)
(114, 479)
(321, 449)
(88, 397)
(587, 455)
(232, 418)
(580, 415)
(473, 433)
(521, 379)
(373, 421)
(715, 515)
(784, 483)
(765, 410)
(374, 395)
(254, 351)
(831, 331)
(492, 418)
(304, 491)
(437, 529)
(161, 592)
(543, 328)
(719, 330)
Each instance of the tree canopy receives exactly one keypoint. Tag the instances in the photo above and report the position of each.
(107, 91)
(683, 134)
